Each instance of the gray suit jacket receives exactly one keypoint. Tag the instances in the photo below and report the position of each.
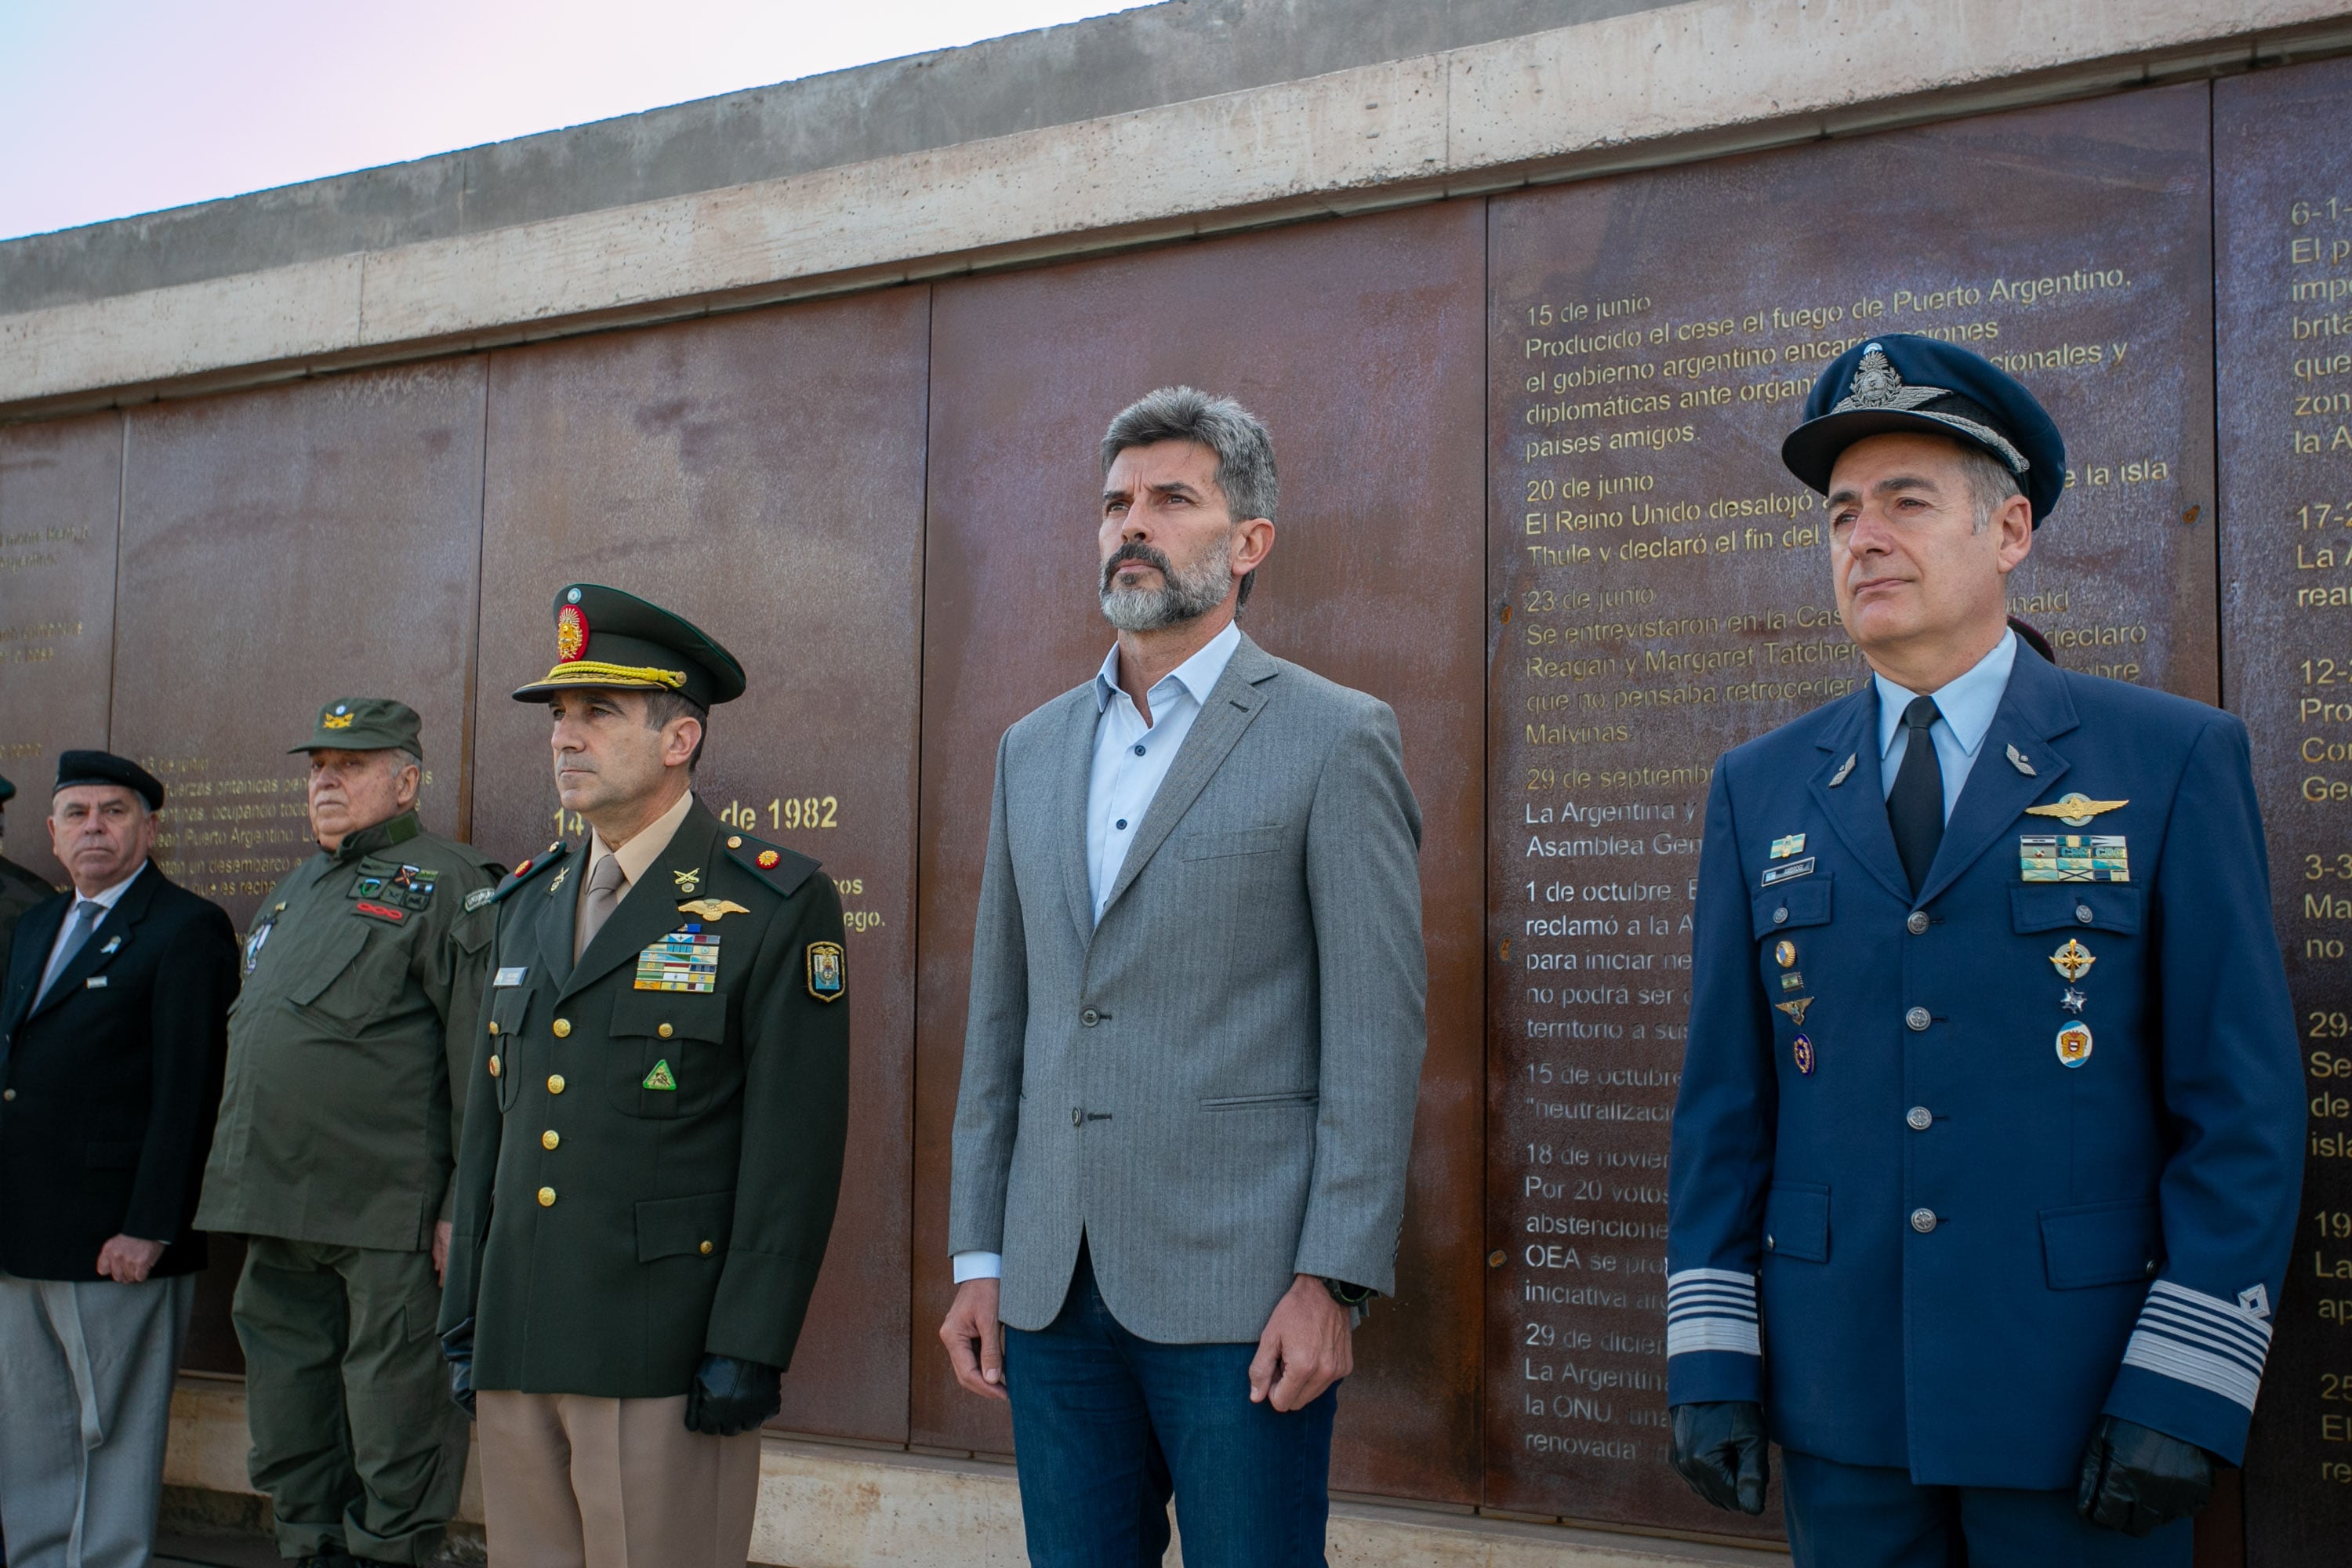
(1216, 1084)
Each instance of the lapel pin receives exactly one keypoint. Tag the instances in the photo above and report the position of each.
(1844, 768)
(2017, 760)
(1795, 1008)
(114, 942)
(2074, 961)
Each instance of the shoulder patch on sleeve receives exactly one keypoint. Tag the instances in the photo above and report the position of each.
(781, 868)
(530, 869)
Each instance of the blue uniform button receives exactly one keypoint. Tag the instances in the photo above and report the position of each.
(1780, 915)
(2083, 913)
(1919, 1118)
(1917, 1018)
(1918, 924)
(1923, 1220)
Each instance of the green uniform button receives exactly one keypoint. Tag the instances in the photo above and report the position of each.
(494, 1026)
(549, 1139)
(663, 1031)
(547, 1197)
(555, 1083)
(563, 1029)
(494, 1067)
(706, 1249)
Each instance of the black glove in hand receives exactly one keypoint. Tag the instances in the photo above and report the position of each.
(1719, 1449)
(731, 1397)
(458, 1350)
(2137, 1480)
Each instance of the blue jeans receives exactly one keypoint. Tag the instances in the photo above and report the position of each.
(1854, 1516)
(1107, 1425)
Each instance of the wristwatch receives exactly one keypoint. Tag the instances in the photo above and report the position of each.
(1347, 1295)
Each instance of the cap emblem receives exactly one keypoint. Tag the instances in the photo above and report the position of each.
(570, 633)
(1878, 384)
(573, 597)
(337, 720)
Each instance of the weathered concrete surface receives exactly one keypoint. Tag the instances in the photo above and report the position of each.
(1625, 91)
(824, 1505)
(1055, 76)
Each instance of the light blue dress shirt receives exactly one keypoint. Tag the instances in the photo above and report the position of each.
(1131, 759)
(1965, 705)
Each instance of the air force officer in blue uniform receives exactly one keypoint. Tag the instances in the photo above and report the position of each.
(1990, 1134)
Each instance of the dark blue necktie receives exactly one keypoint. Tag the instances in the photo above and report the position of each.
(1915, 807)
(87, 914)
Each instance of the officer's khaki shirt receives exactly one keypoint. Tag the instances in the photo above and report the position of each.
(364, 980)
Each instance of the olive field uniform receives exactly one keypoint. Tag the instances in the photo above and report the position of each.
(334, 1156)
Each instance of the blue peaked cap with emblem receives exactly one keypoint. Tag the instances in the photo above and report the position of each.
(1904, 383)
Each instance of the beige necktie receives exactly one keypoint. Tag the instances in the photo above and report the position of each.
(604, 893)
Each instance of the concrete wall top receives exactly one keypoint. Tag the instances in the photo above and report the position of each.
(1629, 88)
(1155, 55)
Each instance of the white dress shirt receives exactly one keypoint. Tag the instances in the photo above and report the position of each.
(1131, 759)
(109, 898)
(1966, 706)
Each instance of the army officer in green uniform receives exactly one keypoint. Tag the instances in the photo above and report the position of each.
(20, 890)
(336, 1150)
(654, 1142)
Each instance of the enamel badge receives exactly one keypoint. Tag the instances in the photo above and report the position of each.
(828, 980)
(2074, 961)
(2073, 1045)
(1784, 953)
(1801, 1049)
(661, 1076)
(1787, 844)
(1795, 1007)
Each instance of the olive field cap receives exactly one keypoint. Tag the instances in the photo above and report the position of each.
(618, 641)
(106, 768)
(365, 724)
(1905, 383)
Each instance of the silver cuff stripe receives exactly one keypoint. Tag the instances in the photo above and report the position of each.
(1692, 1334)
(2161, 1318)
(2221, 1314)
(2171, 1357)
(1701, 1304)
(1682, 1276)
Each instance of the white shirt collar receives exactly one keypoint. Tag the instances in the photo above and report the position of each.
(111, 896)
(1198, 675)
(1967, 703)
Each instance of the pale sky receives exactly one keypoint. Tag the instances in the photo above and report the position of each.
(114, 107)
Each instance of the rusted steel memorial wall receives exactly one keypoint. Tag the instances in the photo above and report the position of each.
(1529, 442)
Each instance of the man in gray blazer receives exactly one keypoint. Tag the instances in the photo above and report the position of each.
(1195, 1041)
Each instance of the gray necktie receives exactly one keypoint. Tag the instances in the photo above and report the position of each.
(604, 893)
(87, 914)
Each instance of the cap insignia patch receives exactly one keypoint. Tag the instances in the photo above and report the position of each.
(768, 858)
(339, 720)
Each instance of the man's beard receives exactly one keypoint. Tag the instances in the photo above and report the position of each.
(1184, 593)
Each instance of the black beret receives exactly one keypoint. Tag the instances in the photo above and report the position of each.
(106, 768)
(1904, 383)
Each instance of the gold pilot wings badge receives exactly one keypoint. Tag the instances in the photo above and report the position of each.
(2075, 809)
(712, 909)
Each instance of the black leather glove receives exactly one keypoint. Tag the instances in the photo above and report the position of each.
(731, 1397)
(2137, 1480)
(1719, 1448)
(458, 1350)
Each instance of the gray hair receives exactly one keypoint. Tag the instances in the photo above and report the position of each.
(661, 706)
(1239, 438)
(1990, 481)
(402, 757)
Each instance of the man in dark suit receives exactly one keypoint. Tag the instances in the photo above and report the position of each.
(20, 890)
(654, 1133)
(113, 1030)
(1989, 1138)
